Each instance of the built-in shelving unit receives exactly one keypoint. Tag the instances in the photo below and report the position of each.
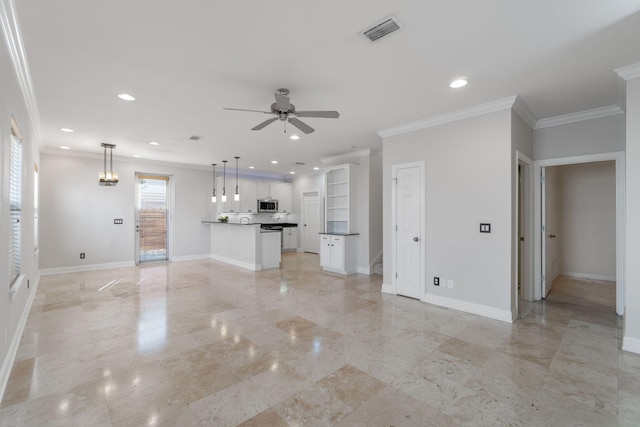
(340, 203)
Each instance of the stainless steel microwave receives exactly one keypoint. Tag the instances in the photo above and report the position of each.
(267, 205)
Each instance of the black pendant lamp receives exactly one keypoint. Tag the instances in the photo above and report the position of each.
(224, 181)
(213, 197)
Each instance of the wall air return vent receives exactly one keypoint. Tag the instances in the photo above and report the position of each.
(382, 28)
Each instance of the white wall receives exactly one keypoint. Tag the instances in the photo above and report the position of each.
(587, 220)
(375, 207)
(468, 170)
(631, 340)
(14, 307)
(77, 214)
(595, 136)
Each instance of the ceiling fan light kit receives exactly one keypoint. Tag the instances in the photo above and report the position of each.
(285, 111)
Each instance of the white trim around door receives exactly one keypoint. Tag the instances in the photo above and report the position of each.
(421, 233)
(619, 159)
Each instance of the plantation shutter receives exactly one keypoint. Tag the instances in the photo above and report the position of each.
(15, 208)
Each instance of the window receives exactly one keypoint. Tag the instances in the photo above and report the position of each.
(15, 205)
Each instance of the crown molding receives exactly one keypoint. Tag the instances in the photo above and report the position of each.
(524, 112)
(610, 110)
(15, 47)
(465, 113)
(629, 72)
(341, 158)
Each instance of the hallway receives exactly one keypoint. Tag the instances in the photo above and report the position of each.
(204, 343)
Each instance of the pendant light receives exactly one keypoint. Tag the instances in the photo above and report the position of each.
(224, 181)
(213, 197)
(108, 178)
(236, 196)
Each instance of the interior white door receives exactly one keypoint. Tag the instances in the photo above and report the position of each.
(544, 283)
(311, 222)
(408, 242)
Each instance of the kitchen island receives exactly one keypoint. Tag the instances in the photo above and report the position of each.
(245, 245)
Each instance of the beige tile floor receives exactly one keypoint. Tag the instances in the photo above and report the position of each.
(203, 343)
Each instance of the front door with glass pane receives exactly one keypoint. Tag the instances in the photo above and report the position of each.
(152, 217)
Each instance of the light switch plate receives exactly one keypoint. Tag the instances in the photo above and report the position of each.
(485, 228)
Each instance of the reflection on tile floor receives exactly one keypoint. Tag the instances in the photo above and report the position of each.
(201, 343)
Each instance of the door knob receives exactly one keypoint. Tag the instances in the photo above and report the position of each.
(415, 239)
(552, 236)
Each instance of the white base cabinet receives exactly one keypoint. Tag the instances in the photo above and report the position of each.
(338, 253)
(289, 239)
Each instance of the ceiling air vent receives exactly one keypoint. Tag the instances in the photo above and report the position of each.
(383, 27)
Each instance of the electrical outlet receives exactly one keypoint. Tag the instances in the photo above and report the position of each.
(450, 284)
(436, 281)
(81, 255)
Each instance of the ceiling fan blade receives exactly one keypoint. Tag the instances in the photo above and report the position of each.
(301, 125)
(265, 123)
(282, 102)
(242, 109)
(324, 114)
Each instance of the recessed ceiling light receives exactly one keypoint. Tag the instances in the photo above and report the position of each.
(64, 147)
(126, 97)
(292, 173)
(67, 130)
(294, 137)
(252, 167)
(275, 162)
(316, 168)
(154, 143)
(458, 83)
(137, 155)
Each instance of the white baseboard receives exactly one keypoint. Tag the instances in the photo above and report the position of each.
(190, 257)
(246, 265)
(469, 307)
(387, 289)
(631, 344)
(365, 270)
(7, 364)
(78, 268)
(590, 277)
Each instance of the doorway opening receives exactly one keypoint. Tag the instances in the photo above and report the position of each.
(579, 208)
(152, 217)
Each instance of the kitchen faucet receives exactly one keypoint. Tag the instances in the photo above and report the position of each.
(242, 220)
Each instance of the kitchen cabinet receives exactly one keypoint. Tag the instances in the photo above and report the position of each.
(338, 253)
(248, 196)
(267, 190)
(285, 197)
(340, 206)
(281, 191)
(290, 238)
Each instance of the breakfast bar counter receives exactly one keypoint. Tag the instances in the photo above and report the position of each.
(245, 245)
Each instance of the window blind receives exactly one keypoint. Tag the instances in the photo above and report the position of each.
(15, 208)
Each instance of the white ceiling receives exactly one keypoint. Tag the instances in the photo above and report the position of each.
(184, 61)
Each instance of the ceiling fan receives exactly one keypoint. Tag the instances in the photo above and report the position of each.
(286, 112)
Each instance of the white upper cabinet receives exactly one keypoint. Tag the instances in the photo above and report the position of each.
(285, 197)
(248, 196)
(250, 191)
